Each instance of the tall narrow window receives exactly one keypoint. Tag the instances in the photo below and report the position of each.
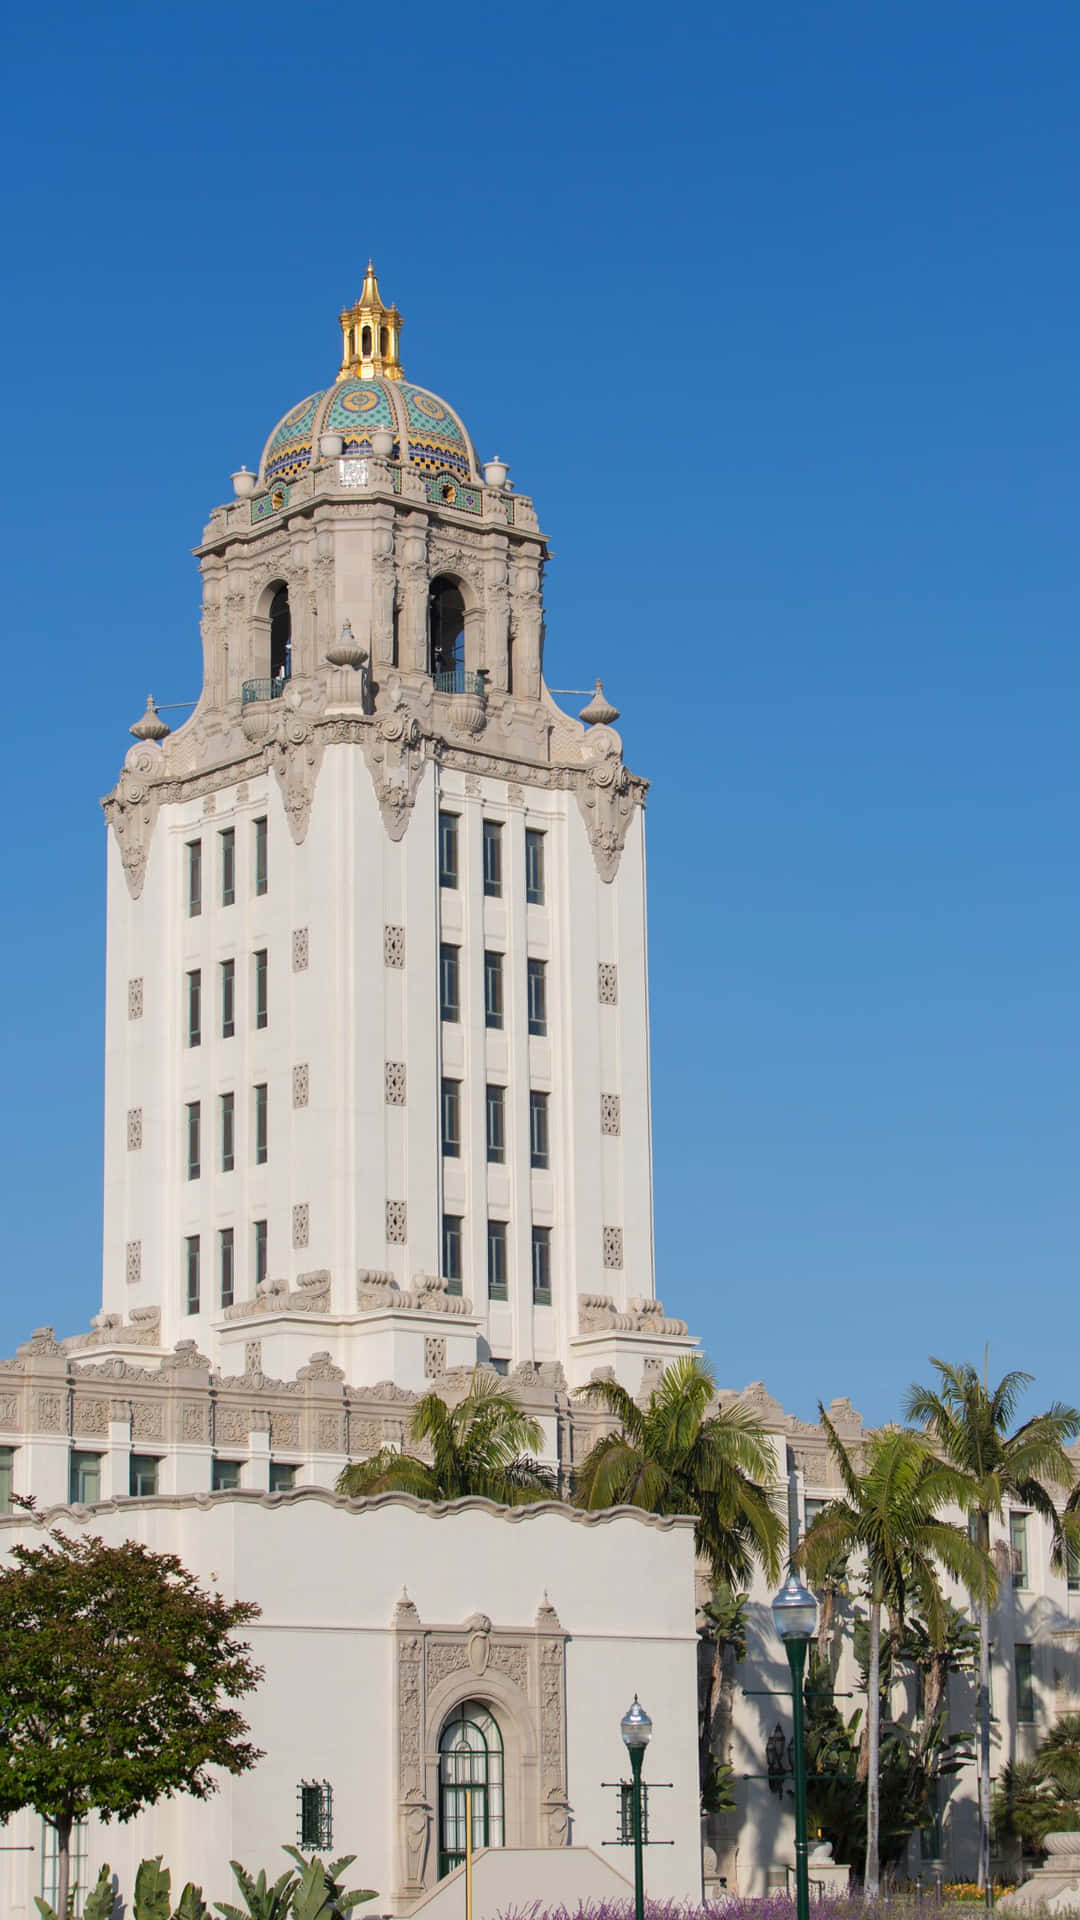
(316, 1797)
(194, 1008)
(538, 996)
(451, 1251)
(262, 1015)
(1072, 1562)
(226, 1266)
(446, 636)
(7, 1478)
(470, 1784)
(492, 859)
(227, 842)
(448, 849)
(194, 1139)
(1025, 1685)
(262, 1127)
(280, 635)
(539, 1140)
(1018, 1541)
(191, 1273)
(451, 1119)
(262, 864)
(228, 1132)
(143, 1475)
(541, 1266)
(493, 989)
(497, 1260)
(449, 981)
(260, 1252)
(194, 878)
(534, 867)
(227, 977)
(84, 1479)
(496, 1124)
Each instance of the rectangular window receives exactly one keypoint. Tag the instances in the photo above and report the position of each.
(1025, 1685)
(260, 1252)
(534, 867)
(449, 982)
(261, 1003)
(262, 869)
(541, 1266)
(451, 1251)
(448, 849)
(1072, 1562)
(497, 1260)
(811, 1510)
(538, 996)
(50, 1864)
(142, 1475)
(282, 1476)
(7, 1478)
(194, 1138)
(227, 1266)
(493, 859)
(228, 1132)
(496, 1124)
(224, 1475)
(194, 879)
(451, 1119)
(227, 841)
(1018, 1541)
(194, 1008)
(262, 1125)
(539, 1137)
(227, 977)
(84, 1479)
(191, 1273)
(316, 1816)
(493, 989)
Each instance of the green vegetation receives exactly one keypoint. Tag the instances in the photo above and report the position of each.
(481, 1447)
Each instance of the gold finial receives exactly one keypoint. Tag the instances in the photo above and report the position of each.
(370, 335)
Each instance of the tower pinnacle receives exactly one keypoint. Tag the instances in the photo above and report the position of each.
(370, 335)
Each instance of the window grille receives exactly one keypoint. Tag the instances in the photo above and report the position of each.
(315, 1815)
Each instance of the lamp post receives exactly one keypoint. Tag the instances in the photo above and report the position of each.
(794, 1613)
(636, 1728)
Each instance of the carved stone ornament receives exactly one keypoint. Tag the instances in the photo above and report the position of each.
(131, 809)
(394, 751)
(597, 1311)
(607, 795)
(295, 750)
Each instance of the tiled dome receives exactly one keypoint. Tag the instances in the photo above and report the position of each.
(427, 432)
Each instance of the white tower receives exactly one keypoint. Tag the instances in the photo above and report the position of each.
(377, 1023)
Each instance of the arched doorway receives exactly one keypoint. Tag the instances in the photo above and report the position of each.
(470, 1760)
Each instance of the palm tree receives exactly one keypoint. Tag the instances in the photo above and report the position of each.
(970, 1425)
(482, 1446)
(675, 1456)
(888, 1513)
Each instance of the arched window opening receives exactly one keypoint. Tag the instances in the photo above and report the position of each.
(446, 636)
(366, 343)
(470, 1759)
(280, 635)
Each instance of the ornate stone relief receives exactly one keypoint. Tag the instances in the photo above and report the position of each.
(301, 1224)
(394, 751)
(300, 1085)
(135, 998)
(597, 1311)
(133, 1263)
(607, 794)
(378, 1292)
(300, 950)
(131, 809)
(134, 1129)
(613, 1247)
(295, 750)
(523, 1673)
(394, 946)
(610, 1113)
(607, 983)
(310, 1295)
(395, 1083)
(434, 1357)
(396, 1222)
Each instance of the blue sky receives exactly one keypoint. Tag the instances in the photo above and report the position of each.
(773, 309)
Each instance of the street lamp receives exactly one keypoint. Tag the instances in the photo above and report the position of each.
(636, 1728)
(794, 1613)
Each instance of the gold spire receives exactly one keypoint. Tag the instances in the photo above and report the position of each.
(370, 335)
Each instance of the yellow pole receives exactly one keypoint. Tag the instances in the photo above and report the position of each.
(468, 1853)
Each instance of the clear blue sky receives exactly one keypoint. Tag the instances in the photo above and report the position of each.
(773, 309)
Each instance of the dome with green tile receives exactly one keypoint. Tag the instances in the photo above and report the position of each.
(371, 392)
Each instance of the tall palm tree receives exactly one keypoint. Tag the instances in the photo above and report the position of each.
(675, 1456)
(482, 1446)
(970, 1425)
(888, 1513)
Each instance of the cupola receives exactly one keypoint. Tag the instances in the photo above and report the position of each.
(370, 335)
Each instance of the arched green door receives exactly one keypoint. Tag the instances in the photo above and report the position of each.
(470, 1759)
